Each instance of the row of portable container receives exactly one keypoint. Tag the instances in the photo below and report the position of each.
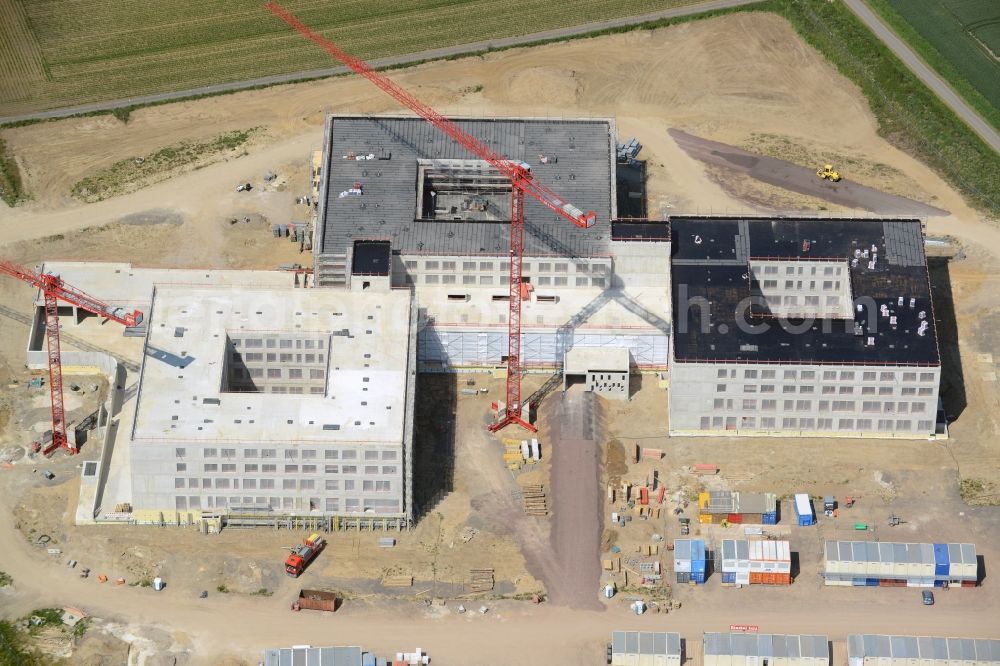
(884, 650)
(923, 564)
(733, 506)
(747, 562)
(690, 561)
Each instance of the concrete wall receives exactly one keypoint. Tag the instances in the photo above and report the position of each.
(609, 384)
(544, 273)
(443, 347)
(297, 478)
(803, 400)
(641, 264)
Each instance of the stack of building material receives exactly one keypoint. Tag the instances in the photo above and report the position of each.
(717, 506)
(888, 564)
(690, 561)
(397, 580)
(534, 500)
(481, 580)
(628, 151)
(513, 455)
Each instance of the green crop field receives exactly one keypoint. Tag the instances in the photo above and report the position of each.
(958, 38)
(56, 53)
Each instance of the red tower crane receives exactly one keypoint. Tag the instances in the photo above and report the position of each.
(522, 182)
(55, 290)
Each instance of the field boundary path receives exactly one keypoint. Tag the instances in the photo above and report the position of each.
(393, 61)
(923, 72)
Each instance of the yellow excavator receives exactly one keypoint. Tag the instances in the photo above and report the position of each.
(828, 173)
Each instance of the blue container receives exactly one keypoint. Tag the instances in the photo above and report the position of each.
(859, 582)
(871, 582)
(698, 549)
(769, 518)
(698, 577)
(940, 583)
(941, 560)
(698, 566)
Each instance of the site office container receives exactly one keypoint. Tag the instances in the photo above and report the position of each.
(885, 566)
(682, 555)
(940, 560)
(729, 556)
(770, 578)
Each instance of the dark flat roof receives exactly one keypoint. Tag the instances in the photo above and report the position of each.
(648, 230)
(717, 269)
(371, 257)
(582, 175)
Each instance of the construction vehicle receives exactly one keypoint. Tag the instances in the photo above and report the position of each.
(301, 556)
(522, 182)
(828, 173)
(55, 290)
(849, 502)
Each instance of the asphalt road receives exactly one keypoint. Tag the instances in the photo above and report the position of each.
(432, 54)
(925, 74)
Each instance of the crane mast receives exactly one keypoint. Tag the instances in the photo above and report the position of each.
(522, 182)
(54, 290)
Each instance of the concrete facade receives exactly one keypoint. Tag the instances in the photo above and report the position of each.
(803, 400)
(802, 328)
(603, 371)
(287, 403)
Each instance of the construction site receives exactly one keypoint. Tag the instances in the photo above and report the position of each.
(476, 365)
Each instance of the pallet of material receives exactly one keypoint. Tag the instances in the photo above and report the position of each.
(481, 580)
(533, 496)
(397, 581)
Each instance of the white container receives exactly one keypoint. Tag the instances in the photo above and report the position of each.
(525, 449)
(158, 584)
(536, 450)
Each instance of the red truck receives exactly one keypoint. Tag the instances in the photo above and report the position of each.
(301, 556)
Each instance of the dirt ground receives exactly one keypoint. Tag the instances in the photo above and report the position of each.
(729, 79)
(734, 165)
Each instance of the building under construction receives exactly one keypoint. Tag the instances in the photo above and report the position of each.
(403, 205)
(792, 327)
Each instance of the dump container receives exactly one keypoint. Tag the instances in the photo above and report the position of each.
(804, 510)
(317, 600)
